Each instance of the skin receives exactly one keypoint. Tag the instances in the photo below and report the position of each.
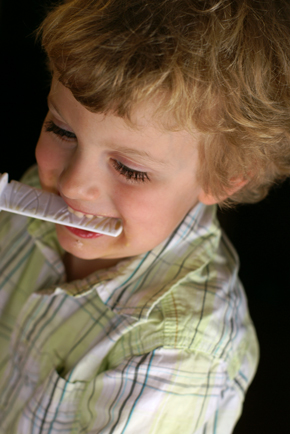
(83, 170)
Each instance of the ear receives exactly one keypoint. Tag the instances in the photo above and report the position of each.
(209, 199)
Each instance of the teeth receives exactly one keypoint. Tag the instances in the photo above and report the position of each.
(77, 213)
(80, 214)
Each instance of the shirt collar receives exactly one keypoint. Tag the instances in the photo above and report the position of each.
(136, 285)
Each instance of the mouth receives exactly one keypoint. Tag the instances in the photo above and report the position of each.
(87, 225)
(82, 233)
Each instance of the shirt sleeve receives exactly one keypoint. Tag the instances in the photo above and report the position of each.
(165, 391)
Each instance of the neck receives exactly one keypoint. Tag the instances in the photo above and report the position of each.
(78, 268)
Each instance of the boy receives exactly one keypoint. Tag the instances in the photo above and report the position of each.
(157, 111)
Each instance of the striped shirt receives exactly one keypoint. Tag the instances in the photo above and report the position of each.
(161, 343)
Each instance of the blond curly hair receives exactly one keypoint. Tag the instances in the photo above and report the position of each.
(219, 66)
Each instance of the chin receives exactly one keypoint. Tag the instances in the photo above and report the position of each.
(82, 248)
(73, 244)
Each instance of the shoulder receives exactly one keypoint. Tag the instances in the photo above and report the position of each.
(202, 308)
(206, 313)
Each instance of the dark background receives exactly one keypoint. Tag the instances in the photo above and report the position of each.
(260, 233)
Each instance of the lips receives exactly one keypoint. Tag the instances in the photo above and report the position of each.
(83, 233)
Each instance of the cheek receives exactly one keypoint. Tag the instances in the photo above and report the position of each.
(134, 203)
(156, 212)
(42, 152)
(49, 161)
(151, 209)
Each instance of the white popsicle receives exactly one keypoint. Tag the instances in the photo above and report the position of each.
(33, 202)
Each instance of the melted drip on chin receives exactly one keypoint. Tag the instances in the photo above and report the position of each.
(79, 245)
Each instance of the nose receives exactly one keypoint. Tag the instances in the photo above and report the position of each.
(79, 181)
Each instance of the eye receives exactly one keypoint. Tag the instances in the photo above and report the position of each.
(130, 174)
(60, 132)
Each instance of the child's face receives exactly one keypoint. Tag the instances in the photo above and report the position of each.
(100, 165)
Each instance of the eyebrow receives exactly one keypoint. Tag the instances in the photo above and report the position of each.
(50, 103)
(137, 153)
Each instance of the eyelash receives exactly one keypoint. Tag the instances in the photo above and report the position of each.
(60, 132)
(129, 174)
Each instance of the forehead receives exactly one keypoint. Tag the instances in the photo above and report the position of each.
(144, 133)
